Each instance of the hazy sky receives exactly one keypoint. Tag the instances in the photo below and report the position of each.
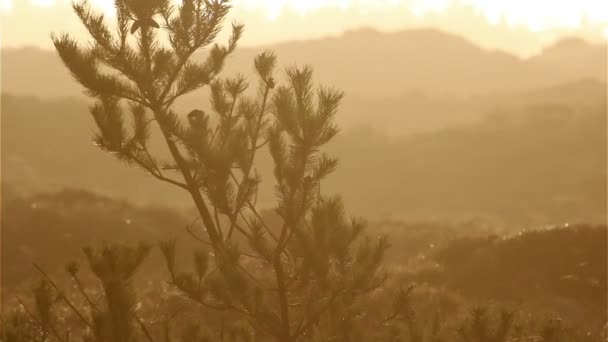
(520, 26)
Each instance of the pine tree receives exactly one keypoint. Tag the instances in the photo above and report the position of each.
(282, 280)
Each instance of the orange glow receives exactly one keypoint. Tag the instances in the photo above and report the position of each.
(533, 14)
(520, 26)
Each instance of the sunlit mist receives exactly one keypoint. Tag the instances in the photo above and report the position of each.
(519, 26)
(516, 12)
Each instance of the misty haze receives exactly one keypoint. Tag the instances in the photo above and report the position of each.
(360, 181)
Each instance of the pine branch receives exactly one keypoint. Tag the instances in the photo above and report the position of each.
(253, 150)
(192, 187)
(195, 75)
(94, 25)
(201, 40)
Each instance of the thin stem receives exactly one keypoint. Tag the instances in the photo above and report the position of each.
(193, 234)
(143, 328)
(283, 303)
(84, 294)
(311, 321)
(259, 217)
(192, 187)
(40, 323)
(251, 157)
(217, 222)
(157, 174)
(62, 296)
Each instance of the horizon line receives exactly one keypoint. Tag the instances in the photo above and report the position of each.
(375, 30)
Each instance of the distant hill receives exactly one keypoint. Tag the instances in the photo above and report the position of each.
(576, 57)
(444, 128)
(405, 82)
(52, 228)
(540, 158)
(416, 112)
(560, 269)
(367, 63)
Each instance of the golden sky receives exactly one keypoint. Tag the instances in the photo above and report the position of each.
(519, 26)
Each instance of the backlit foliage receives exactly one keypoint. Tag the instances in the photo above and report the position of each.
(282, 281)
